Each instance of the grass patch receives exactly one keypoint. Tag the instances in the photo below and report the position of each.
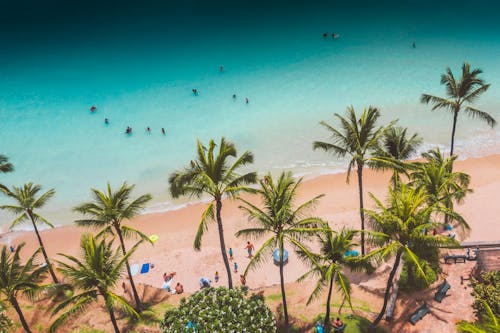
(39, 327)
(273, 297)
(357, 304)
(158, 311)
(356, 324)
(88, 330)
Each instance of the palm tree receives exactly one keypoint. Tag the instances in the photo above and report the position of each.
(213, 175)
(17, 279)
(330, 264)
(400, 227)
(460, 96)
(488, 323)
(443, 185)
(5, 167)
(357, 138)
(282, 220)
(396, 146)
(94, 275)
(27, 202)
(108, 212)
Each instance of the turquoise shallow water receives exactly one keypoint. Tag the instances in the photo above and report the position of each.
(139, 64)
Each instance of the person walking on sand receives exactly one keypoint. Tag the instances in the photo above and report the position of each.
(230, 253)
(235, 267)
(243, 280)
(249, 249)
(216, 277)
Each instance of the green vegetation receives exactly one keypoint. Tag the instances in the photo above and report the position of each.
(330, 264)
(17, 279)
(354, 323)
(26, 204)
(95, 275)
(219, 310)
(279, 218)
(212, 175)
(107, 212)
(487, 292)
(488, 322)
(5, 321)
(399, 226)
(460, 95)
(358, 138)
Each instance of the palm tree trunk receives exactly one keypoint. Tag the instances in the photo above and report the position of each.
(112, 317)
(388, 287)
(361, 207)
(51, 271)
(223, 243)
(132, 284)
(283, 295)
(455, 115)
(328, 300)
(16, 306)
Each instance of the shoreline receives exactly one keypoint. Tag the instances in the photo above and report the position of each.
(176, 228)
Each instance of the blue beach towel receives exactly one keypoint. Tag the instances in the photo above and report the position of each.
(145, 268)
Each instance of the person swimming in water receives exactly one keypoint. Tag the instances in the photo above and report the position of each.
(128, 130)
(106, 121)
(148, 129)
(93, 108)
(414, 45)
(195, 91)
(325, 34)
(335, 36)
(163, 131)
(246, 100)
(234, 96)
(221, 69)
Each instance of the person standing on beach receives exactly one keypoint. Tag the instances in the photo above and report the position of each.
(243, 280)
(249, 249)
(235, 267)
(230, 253)
(216, 277)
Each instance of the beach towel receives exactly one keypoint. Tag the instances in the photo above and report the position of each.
(134, 269)
(145, 268)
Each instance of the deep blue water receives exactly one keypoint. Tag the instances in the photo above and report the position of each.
(137, 62)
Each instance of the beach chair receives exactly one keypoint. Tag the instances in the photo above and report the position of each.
(421, 311)
(441, 292)
(455, 258)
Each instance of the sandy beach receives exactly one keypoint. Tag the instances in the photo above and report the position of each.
(176, 229)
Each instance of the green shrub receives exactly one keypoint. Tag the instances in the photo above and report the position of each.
(487, 289)
(5, 322)
(220, 310)
(412, 280)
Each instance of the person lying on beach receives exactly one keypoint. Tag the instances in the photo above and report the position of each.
(179, 288)
(169, 276)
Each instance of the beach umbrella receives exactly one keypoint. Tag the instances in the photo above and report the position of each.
(153, 238)
(276, 256)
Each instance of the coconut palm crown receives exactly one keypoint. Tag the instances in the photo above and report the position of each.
(329, 266)
(18, 279)
(460, 96)
(27, 203)
(213, 174)
(358, 138)
(401, 225)
(282, 220)
(108, 212)
(95, 275)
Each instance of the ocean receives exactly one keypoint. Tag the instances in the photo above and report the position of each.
(138, 63)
